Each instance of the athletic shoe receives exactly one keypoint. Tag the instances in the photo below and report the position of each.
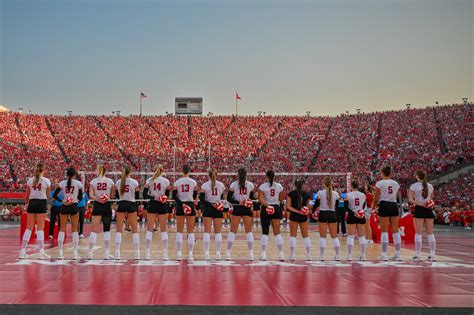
(206, 256)
(292, 257)
(362, 258)
(396, 257)
(227, 255)
(251, 256)
(190, 256)
(337, 258)
(383, 257)
(75, 255)
(369, 242)
(137, 254)
(281, 256)
(308, 258)
(60, 255)
(43, 255)
(89, 255)
(349, 258)
(117, 255)
(81, 236)
(165, 255)
(218, 256)
(263, 256)
(147, 255)
(50, 237)
(322, 257)
(23, 255)
(107, 256)
(179, 256)
(432, 258)
(416, 258)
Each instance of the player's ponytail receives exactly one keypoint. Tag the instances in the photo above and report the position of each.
(327, 182)
(242, 172)
(424, 181)
(299, 192)
(271, 176)
(101, 170)
(158, 171)
(38, 171)
(70, 173)
(355, 183)
(125, 172)
(213, 177)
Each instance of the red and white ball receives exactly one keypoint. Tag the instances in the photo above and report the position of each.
(304, 211)
(104, 197)
(360, 214)
(248, 203)
(315, 214)
(430, 204)
(163, 199)
(270, 210)
(187, 209)
(69, 199)
(219, 206)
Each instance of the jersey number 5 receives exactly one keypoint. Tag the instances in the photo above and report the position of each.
(390, 190)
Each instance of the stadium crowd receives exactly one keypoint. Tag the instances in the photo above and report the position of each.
(433, 138)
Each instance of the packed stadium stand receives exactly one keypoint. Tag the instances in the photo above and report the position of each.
(432, 138)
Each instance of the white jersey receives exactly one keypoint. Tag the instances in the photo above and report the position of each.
(213, 195)
(129, 191)
(388, 190)
(185, 187)
(158, 186)
(417, 189)
(102, 185)
(243, 193)
(323, 201)
(39, 190)
(356, 200)
(272, 193)
(71, 191)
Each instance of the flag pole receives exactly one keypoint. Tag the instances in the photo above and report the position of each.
(141, 98)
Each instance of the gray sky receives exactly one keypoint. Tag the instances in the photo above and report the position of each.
(284, 57)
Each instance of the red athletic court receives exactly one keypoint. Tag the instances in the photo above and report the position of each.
(446, 283)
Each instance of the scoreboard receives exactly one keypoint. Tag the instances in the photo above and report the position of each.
(188, 105)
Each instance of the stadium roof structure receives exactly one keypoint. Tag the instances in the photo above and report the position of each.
(3, 109)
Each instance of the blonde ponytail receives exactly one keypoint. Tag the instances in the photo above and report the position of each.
(424, 181)
(38, 171)
(158, 171)
(125, 172)
(213, 177)
(101, 170)
(327, 182)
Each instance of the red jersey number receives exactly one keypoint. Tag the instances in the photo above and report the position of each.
(185, 188)
(126, 189)
(272, 192)
(214, 191)
(357, 202)
(101, 186)
(37, 187)
(243, 191)
(157, 186)
(390, 190)
(69, 190)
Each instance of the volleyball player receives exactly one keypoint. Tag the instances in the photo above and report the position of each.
(72, 190)
(240, 195)
(356, 203)
(270, 195)
(157, 189)
(184, 194)
(295, 202)
(385, 198)
(128, 191)
(327, 198)
(212, 208)
(369, 198)
(420, 194)
(101, 189)
(37, 191)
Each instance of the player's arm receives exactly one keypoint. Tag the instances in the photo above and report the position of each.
(261, 198)
(375, 202)
(411, 196)
(289, 206)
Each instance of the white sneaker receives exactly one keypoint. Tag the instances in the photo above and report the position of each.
(292, 257)
(50, 237)
(322, 257)
(81, 236)
(263, 256)
(218, 256)
(369, 242)
(281, 256)
(383, 257)
(337, 258)
(60, 255)
(137, 255)
(206, 256)
(23, 255)
(349, 258)
(43, 255)
(117, 255)
(416, 258)
(190, 256)
(75, 255)
(432, 258)
(179, 256)
(308, 258)
(89, 255)
(396, 257)
(165, 255)
(227, 255)
(148, 255)
(362, 258)
(107, 256)
(251, 256)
